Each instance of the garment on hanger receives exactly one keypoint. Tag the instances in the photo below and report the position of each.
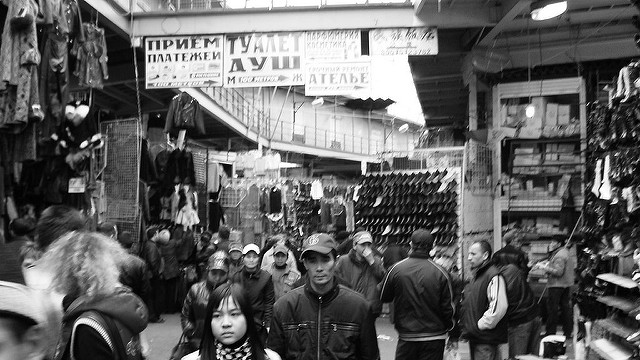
(184, 113)
(275, 200)
(316, 190)
(91, 65)
(216, 215)
(213, 176)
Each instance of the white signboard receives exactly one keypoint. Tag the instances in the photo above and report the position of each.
(183, 61)
(404, 41)
(264, 59)
(333, 45)
(337, 78)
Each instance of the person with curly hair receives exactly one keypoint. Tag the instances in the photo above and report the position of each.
(101, 318)
(230, 332)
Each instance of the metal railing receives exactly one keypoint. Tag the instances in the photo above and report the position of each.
(258, 121)
(225, 5)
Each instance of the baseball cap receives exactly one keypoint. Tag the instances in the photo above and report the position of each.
(20, 301)
(235, 246)
(362, 237)
(422, 238)
(280, 249)
(218, 261)
(321, 243)
(251, 247)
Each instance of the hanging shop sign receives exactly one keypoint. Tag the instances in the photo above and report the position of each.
(333, 45)
(337, 78)
(183, 61)
(264, 59)
(404, 41)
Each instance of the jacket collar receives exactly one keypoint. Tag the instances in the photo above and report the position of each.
(253, 275)
(419, 254)
(483, 268)
(330, 295)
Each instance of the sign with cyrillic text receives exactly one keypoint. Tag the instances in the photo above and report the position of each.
(264, 59)
(183, 61)
(404, 41)
(332, 45)
(337, 78)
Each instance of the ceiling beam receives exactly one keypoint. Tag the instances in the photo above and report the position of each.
(516, 7)
(144, 94)
(117, 97)
(575, 17)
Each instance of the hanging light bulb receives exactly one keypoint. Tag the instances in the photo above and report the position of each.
(530, 111)
(547, 9)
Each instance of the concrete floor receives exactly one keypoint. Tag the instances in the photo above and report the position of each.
(163, 337)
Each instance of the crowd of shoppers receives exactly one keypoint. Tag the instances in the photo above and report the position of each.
(90, 295)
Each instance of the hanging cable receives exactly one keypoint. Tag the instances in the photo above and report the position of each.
(135, 67)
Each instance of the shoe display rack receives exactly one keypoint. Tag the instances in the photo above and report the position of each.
(394, 205)
(611, 218)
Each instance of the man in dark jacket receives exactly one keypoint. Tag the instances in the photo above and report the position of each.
(362, 270)
(484, 305)
(346, 329)
(422, 296)
(194, 308)
(511, 252)
(153, 258)
(259, 287)
(522, 314)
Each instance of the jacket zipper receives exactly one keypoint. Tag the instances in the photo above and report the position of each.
(319, 323)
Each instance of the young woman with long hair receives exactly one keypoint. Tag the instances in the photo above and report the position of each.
(230, 332)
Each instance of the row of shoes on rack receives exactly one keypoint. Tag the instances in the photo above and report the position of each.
(438, 198)
(408, 209)
(402, 234)
(438, 219)
(385, 180)
(610, 129)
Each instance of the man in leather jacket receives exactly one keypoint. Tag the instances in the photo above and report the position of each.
(194, 308)
(322, 319)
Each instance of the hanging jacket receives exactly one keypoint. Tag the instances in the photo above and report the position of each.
(85, 332)
(184, 114)
(362, 277)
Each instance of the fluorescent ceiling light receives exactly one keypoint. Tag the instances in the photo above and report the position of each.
(318, 101)
(547, 9)
(288, 165)
(404, 128)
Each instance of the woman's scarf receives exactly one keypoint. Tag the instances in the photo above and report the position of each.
(241, 352)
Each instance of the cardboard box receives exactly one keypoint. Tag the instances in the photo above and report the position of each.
(564, 114)
(551, 115)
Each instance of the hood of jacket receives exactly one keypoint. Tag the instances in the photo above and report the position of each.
(122, 305)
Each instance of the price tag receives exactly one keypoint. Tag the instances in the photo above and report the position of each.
(77, 185)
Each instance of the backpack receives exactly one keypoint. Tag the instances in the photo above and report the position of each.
(124, 344)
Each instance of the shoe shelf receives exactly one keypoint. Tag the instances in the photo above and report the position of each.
(619, 303)
(614, 327)
(622, 281)
(609, 350)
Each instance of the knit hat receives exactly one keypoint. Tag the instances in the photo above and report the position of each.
(421, 239)
(321, 243)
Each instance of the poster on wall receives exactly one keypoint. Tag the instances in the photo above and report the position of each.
(264, 59)
(332, 45)
(404, 41)
(337, 78)
(183, 61)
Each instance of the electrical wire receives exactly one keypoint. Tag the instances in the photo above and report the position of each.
(135, 67)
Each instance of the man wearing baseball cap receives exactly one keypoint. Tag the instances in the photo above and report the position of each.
(235, 258)
(422, 296)
(362, 270)
(282, 273)
(322, 319)
(258, 286)
(194, 308)
(22, 320)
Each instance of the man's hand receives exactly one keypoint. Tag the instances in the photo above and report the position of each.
(368, 255)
